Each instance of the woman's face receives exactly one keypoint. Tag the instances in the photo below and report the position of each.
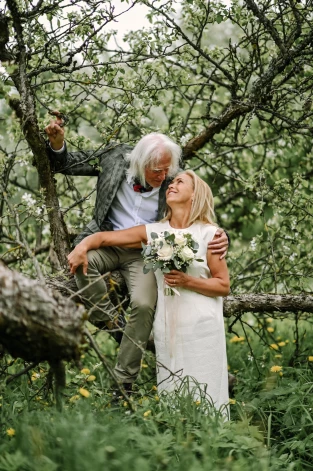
(180, 191)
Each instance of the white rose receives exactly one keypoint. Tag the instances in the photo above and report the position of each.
(180, 239)
(187, 254)
(165, 252)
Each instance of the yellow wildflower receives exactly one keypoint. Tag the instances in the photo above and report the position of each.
(35, 376)
(10, 432)
(269, 320)
(85, 371)
(74, 398)
(147, 413)
(280, 373)
(232, 401)
(154, 388)
(276, 369)
(287, 341)
(278, 355)
(125, 404)
(156, 398)
(310, 358)
(270, 329)
(236, 339)
(282, 344)
(274, 346)
(278, 338)
(84, 392)
(143, 365)
(198, 403)
(91, 378)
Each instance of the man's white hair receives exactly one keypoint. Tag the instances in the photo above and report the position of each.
(148, 152)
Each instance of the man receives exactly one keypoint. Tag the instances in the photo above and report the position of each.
(130, 191)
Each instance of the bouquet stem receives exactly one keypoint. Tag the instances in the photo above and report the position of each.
(168, 292)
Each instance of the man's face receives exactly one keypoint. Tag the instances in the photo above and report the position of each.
(156, 173)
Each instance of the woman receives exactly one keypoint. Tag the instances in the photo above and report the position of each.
(188, 329)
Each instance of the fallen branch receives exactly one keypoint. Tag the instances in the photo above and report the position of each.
(36, 323)
(276, 304)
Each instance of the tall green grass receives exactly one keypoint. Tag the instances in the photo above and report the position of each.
(270, 428)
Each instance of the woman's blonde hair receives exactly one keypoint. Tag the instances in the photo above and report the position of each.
(202, 209)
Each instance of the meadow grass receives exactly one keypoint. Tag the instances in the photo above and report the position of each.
(271, 413)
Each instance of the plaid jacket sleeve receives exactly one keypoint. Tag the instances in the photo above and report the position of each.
(83, 163)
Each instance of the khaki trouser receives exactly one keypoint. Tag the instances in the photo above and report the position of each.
(143, 294)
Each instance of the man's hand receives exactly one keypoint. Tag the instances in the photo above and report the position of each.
(220, 243)
(55, 132)
(78, 257)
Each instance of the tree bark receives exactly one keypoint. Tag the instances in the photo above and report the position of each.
(277, 304)
(36, 323)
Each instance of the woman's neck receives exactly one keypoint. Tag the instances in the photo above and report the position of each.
(179, 218)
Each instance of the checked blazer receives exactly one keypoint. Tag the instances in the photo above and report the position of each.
(110, 166)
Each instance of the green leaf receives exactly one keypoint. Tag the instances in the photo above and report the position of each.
(177, 264)
(170, 238)
(147, 250)
(149, 265)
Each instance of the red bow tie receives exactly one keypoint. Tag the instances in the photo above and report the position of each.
(140, 189)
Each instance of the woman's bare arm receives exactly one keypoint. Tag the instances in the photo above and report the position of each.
(218, 285)
(130, 238)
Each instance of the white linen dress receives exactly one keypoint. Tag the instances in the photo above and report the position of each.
(189, 331)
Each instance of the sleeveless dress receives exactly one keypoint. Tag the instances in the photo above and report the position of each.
(188, 330)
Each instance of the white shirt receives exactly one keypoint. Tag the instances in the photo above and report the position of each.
(130, 208)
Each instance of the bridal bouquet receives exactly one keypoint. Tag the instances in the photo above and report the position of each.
(169, 251)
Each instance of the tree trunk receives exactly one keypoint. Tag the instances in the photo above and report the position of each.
(36, 323)
(25, 109)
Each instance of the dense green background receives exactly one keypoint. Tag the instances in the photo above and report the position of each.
(182, 75)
